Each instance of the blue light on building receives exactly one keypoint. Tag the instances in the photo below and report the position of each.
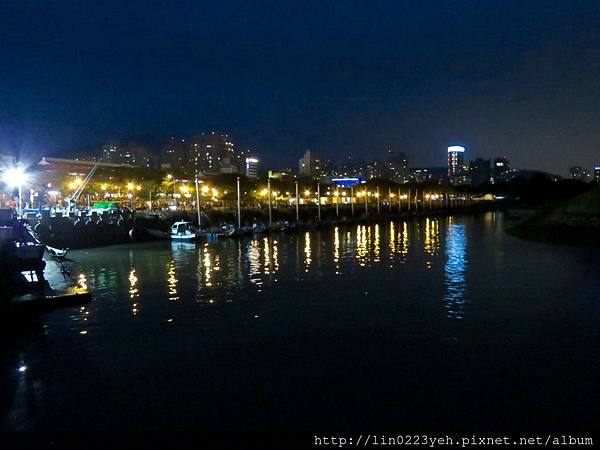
(347, 182)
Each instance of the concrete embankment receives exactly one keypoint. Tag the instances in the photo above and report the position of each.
(100, 230)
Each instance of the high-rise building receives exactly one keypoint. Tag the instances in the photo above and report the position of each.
(456, 160)
(480, 171)
(213, 153)
(579, 173)
(121, 153)
(309, 166)
(397, 165)
(375, 169)
(458, 173)
(252, 167)
(175, 155)
(502, 172)
(425, 175)
(305, 164)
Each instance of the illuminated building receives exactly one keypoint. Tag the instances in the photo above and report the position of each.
(421, 175)
(457, 172)
(579, 174)
(480, 172)
(175, 154)
(307, 164)
(397, 166)
(456, 160)
(252, 167)
(502, 172)
(347, 182)
(597, 174)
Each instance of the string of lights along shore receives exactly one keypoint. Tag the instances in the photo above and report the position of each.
(132, 171)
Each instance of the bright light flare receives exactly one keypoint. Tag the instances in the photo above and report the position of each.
(14, 177)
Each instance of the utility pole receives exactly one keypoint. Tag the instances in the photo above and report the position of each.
(239, 204)
(399, 200)
(416, 199)
(297, 204)
(269, 189)
(198, 203)
(319, 200)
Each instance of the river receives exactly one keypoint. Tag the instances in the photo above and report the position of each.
(431, 324)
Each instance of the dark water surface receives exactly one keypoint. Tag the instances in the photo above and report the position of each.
(442, 324)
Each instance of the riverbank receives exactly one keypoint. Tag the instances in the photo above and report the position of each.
(284, 219)
(100, 231)
(576, 222)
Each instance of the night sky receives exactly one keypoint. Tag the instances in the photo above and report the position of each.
(514, 78)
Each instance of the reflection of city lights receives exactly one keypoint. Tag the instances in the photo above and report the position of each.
(82, 281)
(307, 252)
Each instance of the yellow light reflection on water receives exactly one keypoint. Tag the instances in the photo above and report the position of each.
(361, 245)
(403, 242)
(172, 281)
(336, 249)
(267, 254)
(133, 290)
(392, 243)
(82, 281)
(307, 252)
(206, 264)
(432, 237)
(275, 256)
(376, 243)
(253, 255)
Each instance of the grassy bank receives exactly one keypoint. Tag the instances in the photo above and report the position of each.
(575, 221)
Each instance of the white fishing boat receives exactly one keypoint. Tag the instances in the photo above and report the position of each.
(183, 232)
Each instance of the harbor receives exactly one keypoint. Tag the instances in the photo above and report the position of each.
(286, 330)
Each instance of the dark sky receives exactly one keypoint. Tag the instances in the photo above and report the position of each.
(514, 78)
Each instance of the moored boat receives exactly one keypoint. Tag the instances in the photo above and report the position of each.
(184, 232)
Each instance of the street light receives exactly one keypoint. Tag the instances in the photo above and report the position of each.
(337, 211)
(15, 177)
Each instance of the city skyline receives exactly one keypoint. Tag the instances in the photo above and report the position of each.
(311, 76)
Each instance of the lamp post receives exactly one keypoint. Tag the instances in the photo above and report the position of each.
(399, 200)
(16, 178)
(239, 207)
(416, 200)
(269, 194)
(198, 203)
(337, 211)
(352, 200)
(297, 204)
(377, 197)
(319, 200)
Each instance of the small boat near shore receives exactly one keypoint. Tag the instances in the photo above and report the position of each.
(183, 231)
